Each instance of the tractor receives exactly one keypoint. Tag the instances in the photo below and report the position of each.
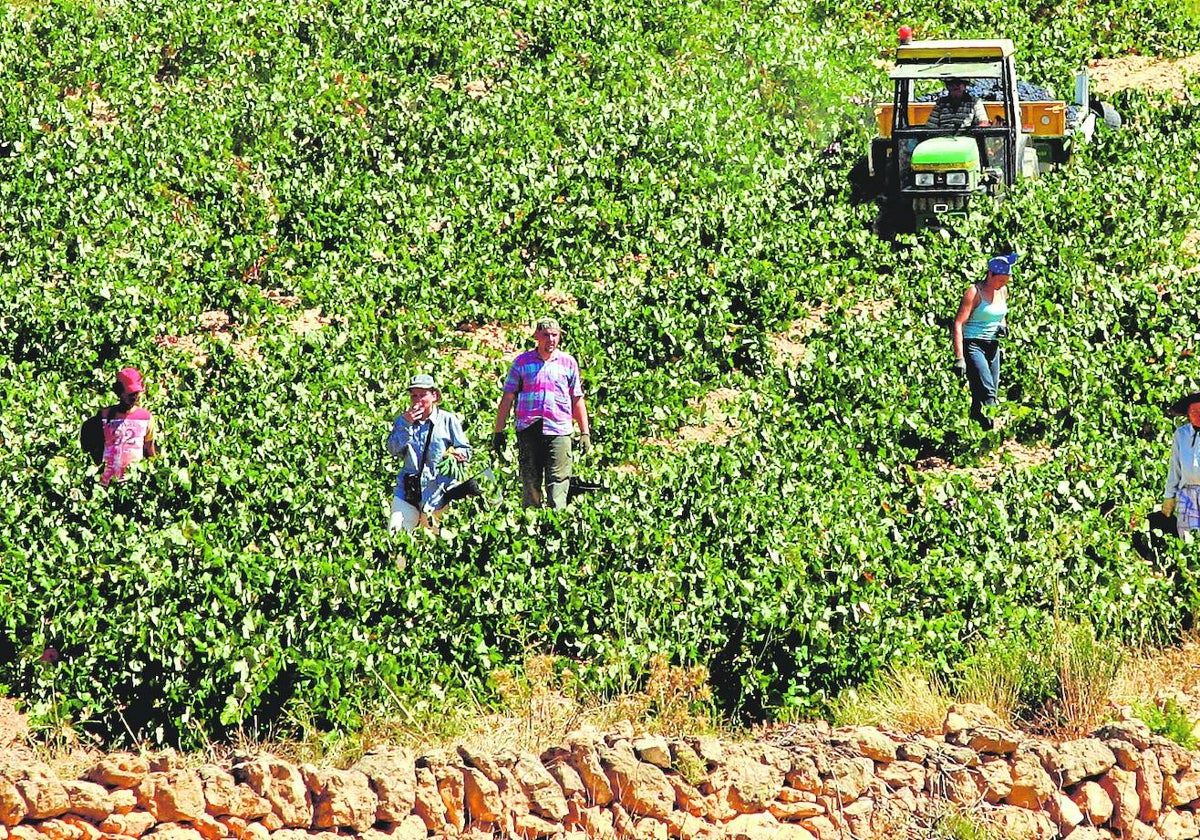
(929, 177)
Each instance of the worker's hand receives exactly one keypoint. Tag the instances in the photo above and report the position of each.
(1168, 507)
(499, 440)
(416, 414)
(585, 443)
(960, 368)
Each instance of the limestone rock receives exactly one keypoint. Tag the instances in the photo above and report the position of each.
(709, 749)
(568, 780)
(867, 741)
(687, 797)
(342, 799)
(411, 827)
(648, 828)
(450, 787)
(653, 749)
(530, 826)
(962, 716)
(42, 791)
(209, 828)
(1171, 757)
(482, 796)
(427, 801)
(995, 779)
(848, 778)
(174, 831)
(804, 775)
(1020, 822)
(1183, 788)
(176, 795)
(1085, 758)
(1149, 787)
(823, 828)
(164, 761)
(133, 824)
(1177, 825)
(586, 762)
(56, 829)
(282, 785)
(953, 783)
(123, 800)
(639, 787)
(390, 771)
(1031, 785)
(902, 774)
(1094, 802)
(12, 805)
(481, 761)
(88, 799)
(119, 770)
(545, 796)
(597, 823)
(1065, 813)
(1121, 787)
(763, 826)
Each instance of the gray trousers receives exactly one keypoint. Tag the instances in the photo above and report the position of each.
(544, 460)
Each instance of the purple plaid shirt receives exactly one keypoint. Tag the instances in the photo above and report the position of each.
(545, 390)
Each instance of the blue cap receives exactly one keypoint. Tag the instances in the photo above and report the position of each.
(1002, 265)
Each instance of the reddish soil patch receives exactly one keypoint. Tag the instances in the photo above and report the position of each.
(1010, 456)
(1140, 72)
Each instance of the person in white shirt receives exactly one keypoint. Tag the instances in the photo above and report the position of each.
(1182, 494)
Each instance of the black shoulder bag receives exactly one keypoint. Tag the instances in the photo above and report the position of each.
(410, 483)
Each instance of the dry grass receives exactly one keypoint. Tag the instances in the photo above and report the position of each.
(538, 705)
(540, 702)
(1153, 677)
(908, 699)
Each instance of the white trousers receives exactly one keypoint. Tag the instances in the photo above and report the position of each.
(405, 517)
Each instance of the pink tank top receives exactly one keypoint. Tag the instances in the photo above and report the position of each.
(124, 440)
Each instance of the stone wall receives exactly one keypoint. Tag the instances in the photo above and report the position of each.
(804, 782)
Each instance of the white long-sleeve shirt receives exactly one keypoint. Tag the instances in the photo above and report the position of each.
(1184, 469)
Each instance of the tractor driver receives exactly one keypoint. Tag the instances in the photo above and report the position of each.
(957, 109)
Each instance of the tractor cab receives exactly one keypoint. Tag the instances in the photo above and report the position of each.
(931, 175)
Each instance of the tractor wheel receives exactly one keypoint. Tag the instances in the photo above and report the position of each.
(894, 217)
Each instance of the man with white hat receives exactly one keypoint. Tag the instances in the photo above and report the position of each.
(425, 436)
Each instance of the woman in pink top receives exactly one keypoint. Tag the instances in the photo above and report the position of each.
(128, 428)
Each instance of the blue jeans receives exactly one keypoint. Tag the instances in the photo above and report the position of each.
(983, 375)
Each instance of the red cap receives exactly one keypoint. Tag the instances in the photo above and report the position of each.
(130, 380)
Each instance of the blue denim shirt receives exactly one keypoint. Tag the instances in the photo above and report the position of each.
(408, 442)
(1184, 468)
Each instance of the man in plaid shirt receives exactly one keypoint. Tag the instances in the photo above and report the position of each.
(544, 384)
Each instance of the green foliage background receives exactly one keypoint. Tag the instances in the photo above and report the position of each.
(681, 169)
